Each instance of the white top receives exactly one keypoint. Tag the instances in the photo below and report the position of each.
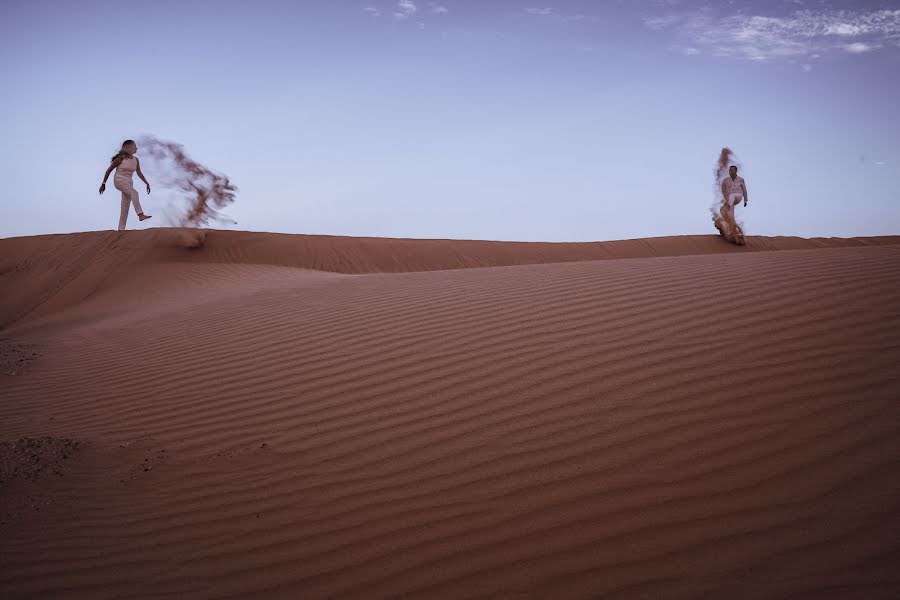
(735, 187)
(126, 168)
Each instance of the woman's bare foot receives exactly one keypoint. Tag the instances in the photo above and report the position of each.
(144, 217)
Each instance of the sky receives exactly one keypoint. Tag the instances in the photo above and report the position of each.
(532, 120)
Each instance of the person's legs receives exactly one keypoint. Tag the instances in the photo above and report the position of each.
(129, 197)
(728, 215)
(123, 211)
(126, 188)
(137, 205)
(136, 201)
(738, 232)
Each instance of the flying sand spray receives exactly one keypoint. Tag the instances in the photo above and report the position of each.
(200, 193)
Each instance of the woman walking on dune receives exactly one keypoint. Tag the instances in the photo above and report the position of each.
(126, 163)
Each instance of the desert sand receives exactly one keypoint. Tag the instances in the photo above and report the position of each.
(288, 416)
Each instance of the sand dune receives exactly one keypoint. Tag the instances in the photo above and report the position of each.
(43, 274)
(274, 416)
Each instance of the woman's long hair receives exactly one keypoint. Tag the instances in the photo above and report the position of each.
(122, 153)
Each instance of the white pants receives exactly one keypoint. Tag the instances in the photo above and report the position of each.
(736, 199)
(129, 196)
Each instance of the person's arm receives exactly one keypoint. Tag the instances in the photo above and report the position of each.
(744, 185)
(141, 175)
(115, 163)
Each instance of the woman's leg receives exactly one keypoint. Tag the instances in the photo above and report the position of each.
(136, 201)
(123, 211)
(129, 197)
(137, 205)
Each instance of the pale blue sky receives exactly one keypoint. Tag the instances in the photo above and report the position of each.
(551, 120)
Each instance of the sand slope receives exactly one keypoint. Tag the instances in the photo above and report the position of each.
(311, 417)
(43, 274)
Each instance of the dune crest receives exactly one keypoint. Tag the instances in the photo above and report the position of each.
(44, 274)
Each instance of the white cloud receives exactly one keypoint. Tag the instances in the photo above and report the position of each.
(844, 29)
(804, 33)
(411, 11)
(558, 16)
(539, 11)
(858, 48)
(659, 22)
(806, 68)
(405, 9)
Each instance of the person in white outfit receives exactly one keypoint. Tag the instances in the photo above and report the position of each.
(734, 189)
(126, 163)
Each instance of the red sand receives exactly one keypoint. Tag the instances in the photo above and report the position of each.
(281, 416)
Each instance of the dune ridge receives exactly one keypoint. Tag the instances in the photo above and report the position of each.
(43, 274)
(672, 418)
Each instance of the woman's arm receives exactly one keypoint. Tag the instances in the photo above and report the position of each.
(115, 163)
(141, 175)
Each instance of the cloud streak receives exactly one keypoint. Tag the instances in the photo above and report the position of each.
(804, 33)
(556, 15)
(408, 10)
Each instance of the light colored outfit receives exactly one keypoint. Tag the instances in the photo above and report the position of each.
(735, 189)
(123, 183)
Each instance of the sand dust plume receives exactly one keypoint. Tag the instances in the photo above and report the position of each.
(192, 238)
(200, 193)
